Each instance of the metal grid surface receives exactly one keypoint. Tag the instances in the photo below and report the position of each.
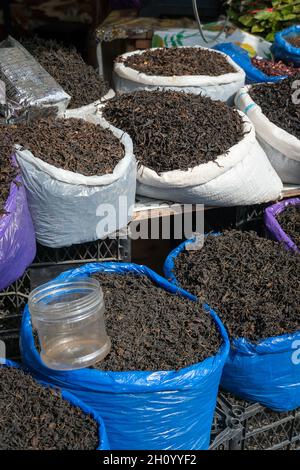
(108, 250)
(47, 265)
(250, 426)
(12, 302)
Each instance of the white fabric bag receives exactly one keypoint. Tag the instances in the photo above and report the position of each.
(69, 208)
(243, 176)
(282, 148)
(88, 110)
(223, 87)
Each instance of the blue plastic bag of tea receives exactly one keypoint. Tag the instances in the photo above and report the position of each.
(267, 372)
(284, 50)
(142, 410)
(242, 58)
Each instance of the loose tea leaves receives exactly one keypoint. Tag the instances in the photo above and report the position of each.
(294, 41)
(289, 220)
(279, 104)
(253, 283)
(179, 61)
(79, 80)
(7, 174)
(37, 418)
(274, 69)
(151, 329)
(71, 144)
(174, 130)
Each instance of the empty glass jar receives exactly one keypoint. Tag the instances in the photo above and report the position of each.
(68, 317)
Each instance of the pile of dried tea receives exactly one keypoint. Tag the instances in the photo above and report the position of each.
(289, 220)
(252, 283)
(174, 130)
(273, 68)
(280, 103)
(67, 67)
(7, 174)
(71, 144)
(179, 61)
(152, 329)
(294, 41)
(34, 417)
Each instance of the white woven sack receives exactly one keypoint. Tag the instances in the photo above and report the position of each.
(282, 148)
(65, 205)
(223, 88)
(242, 176)
(90, 109)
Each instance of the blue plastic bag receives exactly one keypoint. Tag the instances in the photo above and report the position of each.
(267, 372)
(103, 441)
(141, 410)
(241, 57)
(283, 50)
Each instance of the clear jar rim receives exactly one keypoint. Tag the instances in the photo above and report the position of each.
(75, 308)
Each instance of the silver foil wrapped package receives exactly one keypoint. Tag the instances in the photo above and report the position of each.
(28, 85)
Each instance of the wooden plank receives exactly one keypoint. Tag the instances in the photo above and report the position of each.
(290, 190)
(143, 43)
(147, 208)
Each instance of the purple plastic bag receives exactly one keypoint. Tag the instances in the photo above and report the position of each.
(17, 237)
(273, 226)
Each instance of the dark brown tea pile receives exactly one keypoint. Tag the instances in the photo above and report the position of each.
(278, 103)
(151, 329)
(79, 80)
(179, 61)
(294, 41)
(274, 69)
(253, 283)
(71, 144)
(37, 418)
(173, 130)
(289, 220)
(7, 174)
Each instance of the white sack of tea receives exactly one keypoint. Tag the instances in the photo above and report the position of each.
(66, 206)
(191, 149)
(281, 147)
(219, 85)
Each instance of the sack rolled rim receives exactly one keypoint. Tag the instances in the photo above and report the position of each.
(275, 136)
(69, 177)
(179, 80)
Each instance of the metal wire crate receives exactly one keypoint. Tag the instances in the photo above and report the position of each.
(47, 265)
(12, 302)
(251, 218)
(50, 262)
(108, 249)
(250, 426)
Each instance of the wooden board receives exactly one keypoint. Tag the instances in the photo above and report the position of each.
(146, 208)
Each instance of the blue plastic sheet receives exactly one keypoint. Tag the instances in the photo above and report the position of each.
(267, 372)
(103, 441)
(283, 50)
(142, 410)
(241, 57)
